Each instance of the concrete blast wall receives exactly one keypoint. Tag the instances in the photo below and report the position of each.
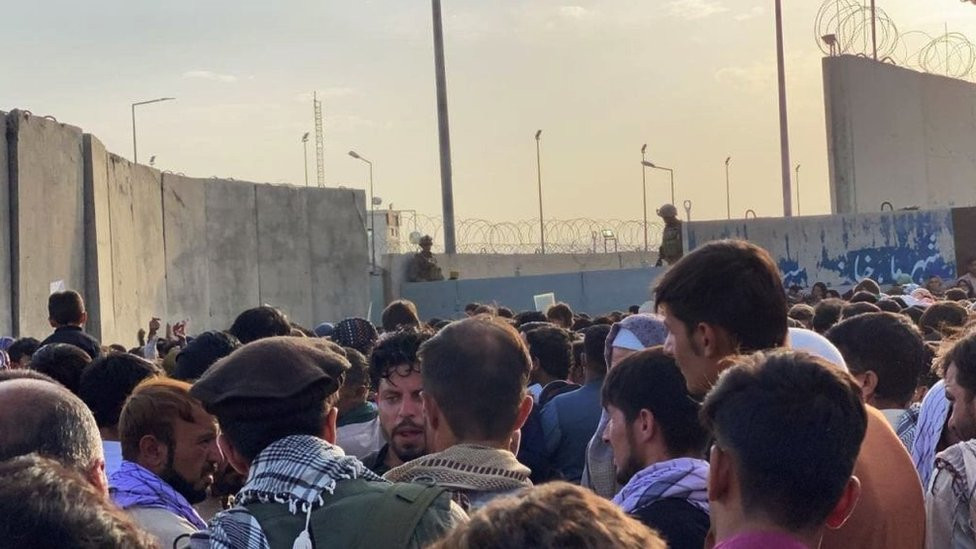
(140, 244)
(896, 135)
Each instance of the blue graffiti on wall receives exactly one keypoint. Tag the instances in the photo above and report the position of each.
(793, 273)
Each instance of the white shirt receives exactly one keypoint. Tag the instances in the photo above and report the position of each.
(360, 439)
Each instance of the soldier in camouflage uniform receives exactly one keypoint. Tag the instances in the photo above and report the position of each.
(423, 267)
(671, 248)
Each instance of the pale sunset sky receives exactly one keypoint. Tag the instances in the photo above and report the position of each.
(694, 79)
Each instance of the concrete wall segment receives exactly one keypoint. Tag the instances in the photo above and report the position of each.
(6, 290)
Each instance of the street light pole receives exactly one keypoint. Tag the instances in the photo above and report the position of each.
(305, 143)
(644, 188)
(798, 189)
(784, 134)
(728, 193)
(662, 168)
(538, 164)
(444, 131)
(135, 148)
(372, 217)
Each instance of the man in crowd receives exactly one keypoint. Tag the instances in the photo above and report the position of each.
(886, 354)
(394, 369)
(551, 352)
(21, 351)
(63, 362)
(170, 453)
(657, 444)
(784, 498)
(67, 315)
(949, 502)
(358, 424)
(560, 315)
(259, 323)
(569, 420)
(201, 353)
(727, 298)
(278, 426)
(104, 386)
(474, 375)
(44, 418)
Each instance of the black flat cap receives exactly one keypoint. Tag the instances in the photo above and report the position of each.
(273, 368)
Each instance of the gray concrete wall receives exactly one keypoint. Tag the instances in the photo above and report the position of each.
(896, 135)
(339, 253)
(284, 269)
(188, 266)
(6, 292)
(47, 213)
(232, 250)
(99, 269)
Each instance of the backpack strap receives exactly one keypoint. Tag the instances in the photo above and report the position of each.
(402, 508)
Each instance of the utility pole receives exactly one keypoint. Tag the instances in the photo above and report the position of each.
(444, 131)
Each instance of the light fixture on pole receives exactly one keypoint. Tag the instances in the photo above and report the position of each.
(644, 189)
(135, 150)
(728, 193)
(538, 163)
(798, 189)
(372, 217)
(305, 146)
(662, 168)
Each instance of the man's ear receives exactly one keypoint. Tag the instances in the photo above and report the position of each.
(720, 474)
(869, 385)
(84, 318)
(233, 457)
(535, 364)
(96, 476)
(330, 432)
(644, 426)
(153, 453)
(845, 506)
(432, 412)
(525, 408)
(713, 341)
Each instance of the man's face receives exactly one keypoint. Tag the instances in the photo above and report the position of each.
(619, 434)
(962, 422)
(193, 458)
(972, 267)
(934, 285)
(401, 412)
(699, 372)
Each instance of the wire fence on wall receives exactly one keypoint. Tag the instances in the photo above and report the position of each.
(481, 236)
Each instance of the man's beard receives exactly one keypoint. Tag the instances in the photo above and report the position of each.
(412, 451)
(181, 485)
(632, 466)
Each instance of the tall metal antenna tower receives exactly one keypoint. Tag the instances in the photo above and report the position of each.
(319, 142)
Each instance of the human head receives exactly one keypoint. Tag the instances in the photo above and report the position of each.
(426, 242)
(526, 317)
(561, 315)
(400, 314)
(885, 353)
(66, 309)
(806, 482)
(259, 323)
(668, 212)
(355, 386)
(470, 308)
(868, 285)
(165, 430)
(551, 350)
(722, 299)
(958, 366)
(475, 373)
(505, 312)
(108, 381)
(45, 504)
(551, 516)
(863, 296)
(802, 313)
(943, 319)
(594, 344)
(257, 406)
(889, 306)
(957, 294)
(358, 333)
(395, 373)
(935, 285)
(971, 266)
(818, 291)
(61, 361)
(652, 416)
(21, 351)
(632, 334)
(860, 308)
(201, 353)
(44, 418)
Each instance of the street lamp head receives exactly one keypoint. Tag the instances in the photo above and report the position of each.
(355, 155)
(648, 163)
(538, 135)
(644, 148)
(305, 138)
(728, 160)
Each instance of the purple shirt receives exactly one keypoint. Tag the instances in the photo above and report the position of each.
(761, 540)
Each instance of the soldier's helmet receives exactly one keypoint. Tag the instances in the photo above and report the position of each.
(667, 210)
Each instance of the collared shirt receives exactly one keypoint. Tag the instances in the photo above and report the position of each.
(75, 335)
(568, 422)
(761, 540)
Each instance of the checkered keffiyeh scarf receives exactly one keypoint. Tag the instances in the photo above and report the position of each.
(294, 471)
(466, 468)
(682, 478)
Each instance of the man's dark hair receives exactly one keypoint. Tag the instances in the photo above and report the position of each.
(651, 380)
(25, 373)
(560, 312)
(259, 323)
(63, 362)
(633, 309)
(45, 504)
(201, 353)
(826, 314)
(594, 344)
(109, 380)
(860, 308)
(864, 297)
(396, 353)
(914, 312)
(943, 318)
(956, 294)
(526, 317)
(553, 348)
(730, 284)
(795, 471)
(505, 312)
(66, 308)
(868, 285)
(44, 418)
(400, 314)
(801, 312)
(25, 346)
(886, 344)
(962, 353)
(477, 370)
(471, 307)
(581, 324)
(358, 373)
(889, 306)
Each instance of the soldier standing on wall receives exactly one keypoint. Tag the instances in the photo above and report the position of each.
(423, 267)
(671, 248)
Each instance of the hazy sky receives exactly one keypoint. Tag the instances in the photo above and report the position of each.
(695, 79)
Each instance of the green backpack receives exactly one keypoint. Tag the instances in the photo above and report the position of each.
(359, 513)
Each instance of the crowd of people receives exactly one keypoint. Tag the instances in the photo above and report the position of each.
(734, 414)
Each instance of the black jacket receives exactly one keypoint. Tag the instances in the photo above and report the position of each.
(74, 335)
(681, 524)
